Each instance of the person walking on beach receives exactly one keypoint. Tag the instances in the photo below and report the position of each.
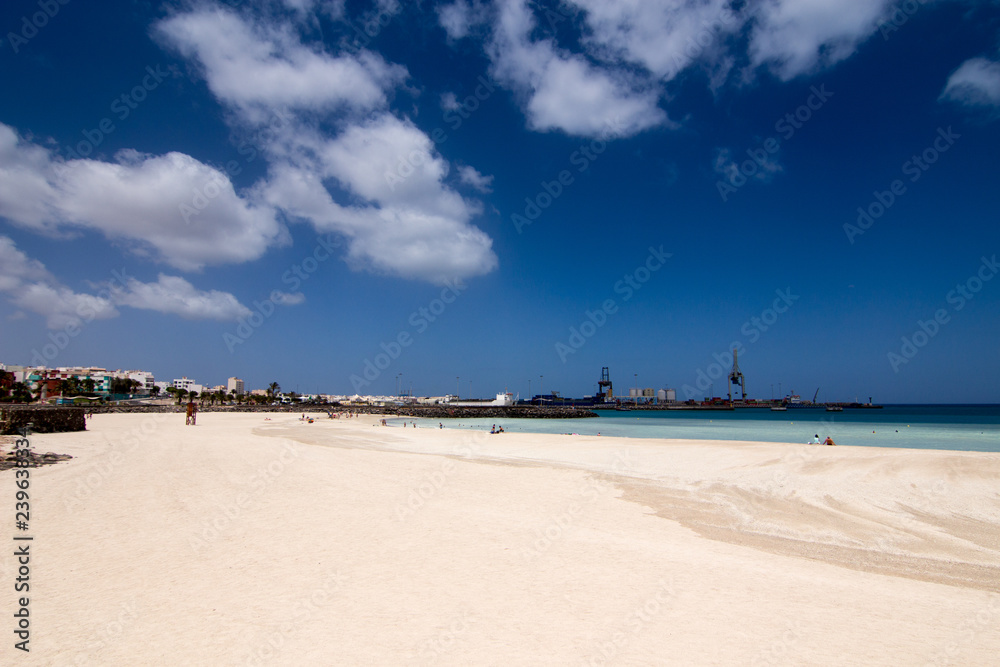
(192, 414)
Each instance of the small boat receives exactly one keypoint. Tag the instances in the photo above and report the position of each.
(779, 408)
(834, 408)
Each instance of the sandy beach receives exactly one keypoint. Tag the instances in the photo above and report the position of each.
(253, 541)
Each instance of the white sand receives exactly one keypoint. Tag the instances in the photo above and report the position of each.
(244, 541)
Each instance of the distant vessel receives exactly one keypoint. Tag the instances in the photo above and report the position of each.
(502, 399)
(779, 408)
(834, 408)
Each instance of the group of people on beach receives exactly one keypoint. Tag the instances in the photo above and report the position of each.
(496, 430)
(816, 441)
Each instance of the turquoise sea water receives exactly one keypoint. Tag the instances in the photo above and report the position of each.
(956, 427)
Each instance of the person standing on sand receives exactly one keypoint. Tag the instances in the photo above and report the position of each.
(192, 412)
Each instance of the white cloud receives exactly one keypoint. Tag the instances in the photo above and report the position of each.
(795, 37)
(449, 102)
(29, 285)
(762, 171)
(663, 37)
(170, 207)
(403, 221)
(460, 17)
(394, 210)
(287, 298)
(470, 176)
(62, 306)
(16, 267)
(976, 83)
(262, 67)
(174, 295)
(563, 91)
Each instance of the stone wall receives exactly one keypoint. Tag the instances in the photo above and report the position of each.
(44, 419)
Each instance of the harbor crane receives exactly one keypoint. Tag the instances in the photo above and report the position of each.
(736, 377)
(604, 386)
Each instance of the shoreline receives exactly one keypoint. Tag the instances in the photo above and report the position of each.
(281, 542)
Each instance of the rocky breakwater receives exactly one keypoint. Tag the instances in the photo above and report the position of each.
(43, 419)
(491, 412)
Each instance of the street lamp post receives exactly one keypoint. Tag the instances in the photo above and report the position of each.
(456, 386)
(541, 390)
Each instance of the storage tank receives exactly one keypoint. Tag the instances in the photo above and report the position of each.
(671, 394)
(661, 395)
(633, 392)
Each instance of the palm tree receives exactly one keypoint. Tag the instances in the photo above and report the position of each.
(273, 389)
(20, 393)
(88, 385)
(181, 394)
(154, 391)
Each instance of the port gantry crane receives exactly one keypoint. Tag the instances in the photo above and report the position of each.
(736, 377)
(604, 386)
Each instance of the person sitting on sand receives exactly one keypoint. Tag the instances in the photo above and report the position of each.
(815, 440)
(829, 441)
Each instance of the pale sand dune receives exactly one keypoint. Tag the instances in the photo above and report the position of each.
(341, 542)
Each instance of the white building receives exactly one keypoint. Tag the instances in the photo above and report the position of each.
(234, 385)
(187, 384)
(144, 378)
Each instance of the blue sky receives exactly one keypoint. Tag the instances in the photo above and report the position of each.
(508, 192)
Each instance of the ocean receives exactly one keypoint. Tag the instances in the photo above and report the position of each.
(951, 427)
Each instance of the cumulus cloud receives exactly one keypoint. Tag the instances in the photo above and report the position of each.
(663, 37)
(176, 296)
(29, 285)
(262, 65)
(402, 220)
(564, 91)
(795, 37)
(470, 176)
(762, 170)
(460, 17)
(976, 83)
(391, 205)
(171, 207)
